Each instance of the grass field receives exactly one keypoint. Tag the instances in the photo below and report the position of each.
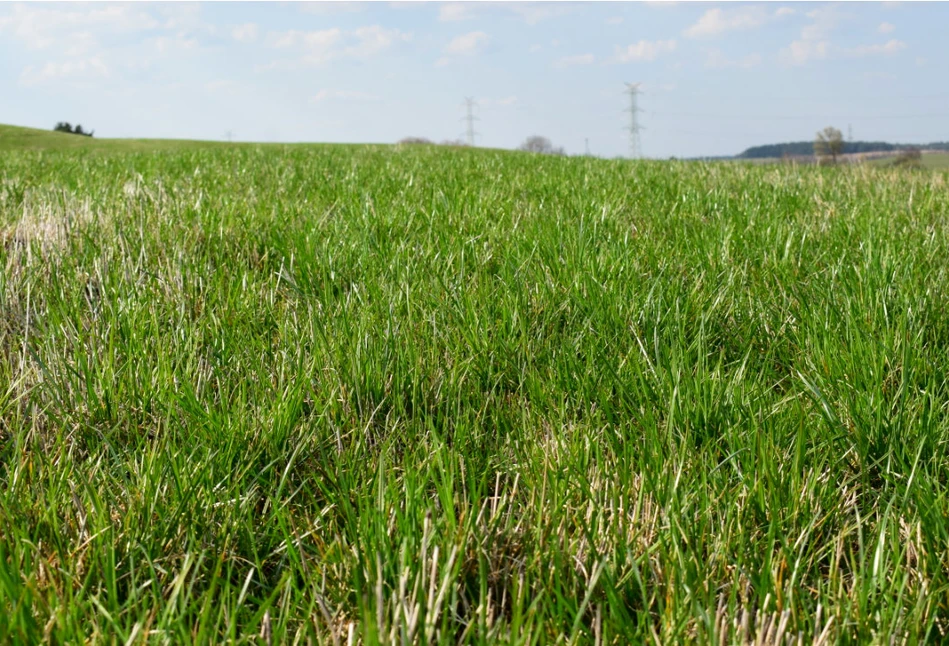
(15, 138)
(930, 160)
(417, 395)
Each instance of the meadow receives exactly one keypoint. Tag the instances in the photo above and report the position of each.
(382, 394)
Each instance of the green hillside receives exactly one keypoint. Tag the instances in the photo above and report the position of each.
(19, 138)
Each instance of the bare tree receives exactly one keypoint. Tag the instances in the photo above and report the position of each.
(829, 143)
(542, 145)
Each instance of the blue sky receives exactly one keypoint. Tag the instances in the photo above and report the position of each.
(715, 78)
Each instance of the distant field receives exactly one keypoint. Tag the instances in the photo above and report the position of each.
(937, 161)
(328, 394)
(17, 138)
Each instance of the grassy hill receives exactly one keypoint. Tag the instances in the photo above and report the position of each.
(382, 394)
(19, 138)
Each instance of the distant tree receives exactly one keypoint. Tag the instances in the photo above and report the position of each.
(63, 126)
(415, 141)
(911, 157)
(829, 143)
(542, 145)
(455, 143)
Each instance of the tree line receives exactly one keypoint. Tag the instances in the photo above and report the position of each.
(64, 126)
(533, 144)
(806, 148)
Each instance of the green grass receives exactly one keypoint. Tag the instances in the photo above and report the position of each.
(936, 160)
(419, 395)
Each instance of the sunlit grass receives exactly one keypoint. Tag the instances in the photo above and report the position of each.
(421, 395)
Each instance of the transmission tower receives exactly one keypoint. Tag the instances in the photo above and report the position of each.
(849, 133)
(634, 127)
(470, 119)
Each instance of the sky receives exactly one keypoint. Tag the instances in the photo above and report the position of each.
(714, 78)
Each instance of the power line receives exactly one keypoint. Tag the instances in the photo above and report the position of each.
(634, 128)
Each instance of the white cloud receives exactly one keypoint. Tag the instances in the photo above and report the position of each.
(468, 44)
(535, 12)
(40, 27)
(246, 33)
(717, 60)
(504, 102)
(78, 44)
(535, 48)
(442, 62)
(318, 40)
(615, 20)
(83, 69)
(455, 12)
(886, 27)
(823, 21)
(220, 86)
(374, 40)
(342, 95)
(715, 22)
(331, 8)
(571, 61)
(920, 60)
(887, 49)
(644, 50)
(814, 43)
(802, 51)
(174, 44)
(320, 47)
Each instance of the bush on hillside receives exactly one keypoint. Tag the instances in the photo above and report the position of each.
(63, 126)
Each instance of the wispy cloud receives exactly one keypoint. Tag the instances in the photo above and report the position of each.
(644, 50)
(814, 43)
(320, 47)
(332, 8)
(504, 102)
(467, 44)
(246, 33)
(535, 12)
(886, 49)
(220, 86)
(44, 26)
(716, 22)
(802, 51)
(573, 61)
(455, 12)
(82, 70)
(614, 20)
(886, 27)
(716, 59)
(342, 95)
